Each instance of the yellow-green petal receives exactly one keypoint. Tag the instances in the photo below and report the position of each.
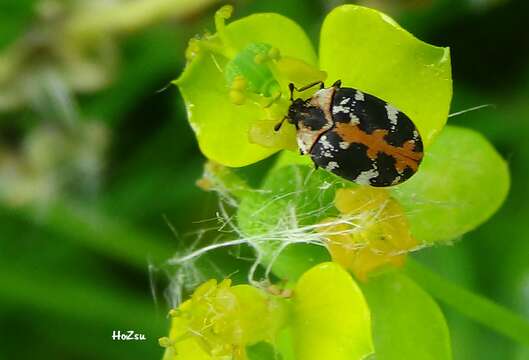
(223, 128)
(220, 126)
(369, 51)
(273, 29)
(188, 349)
(332, 320)
(460, 184)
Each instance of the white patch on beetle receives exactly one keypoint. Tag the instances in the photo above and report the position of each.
(305, 139)
(415, 135)
(326, 144)
(396, 180)
(354, 119)
(345, 101)
(302, 145)
(323, 99)
(340, 109)
(344, 145)
(322, 95)
(332, 165)
(359, 95)
(365, 176)
(393, 113)
(306, 136)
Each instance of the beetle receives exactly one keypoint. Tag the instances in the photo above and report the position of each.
(355, 135)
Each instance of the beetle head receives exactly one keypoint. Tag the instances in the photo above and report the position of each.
(295, 111)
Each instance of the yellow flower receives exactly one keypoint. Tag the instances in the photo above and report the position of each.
(220, 320)
(377, 233)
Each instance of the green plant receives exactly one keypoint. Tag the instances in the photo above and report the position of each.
(298, 219)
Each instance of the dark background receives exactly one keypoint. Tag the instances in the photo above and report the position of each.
(93, 177)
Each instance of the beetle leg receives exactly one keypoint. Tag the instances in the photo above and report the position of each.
(292, 87)
(337, 84)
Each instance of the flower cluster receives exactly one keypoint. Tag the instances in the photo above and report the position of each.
(235, 87)
(221, 321)
(378, 235)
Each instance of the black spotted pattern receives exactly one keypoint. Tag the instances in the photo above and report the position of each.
(388, 173)
(351, 161)
(373, 115)
(303, 113)
(313, 118)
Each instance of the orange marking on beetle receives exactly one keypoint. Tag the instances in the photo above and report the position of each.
(404, 156)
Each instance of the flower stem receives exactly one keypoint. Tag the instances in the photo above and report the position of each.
(476, 307)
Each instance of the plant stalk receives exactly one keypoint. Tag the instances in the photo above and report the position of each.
(473, 306)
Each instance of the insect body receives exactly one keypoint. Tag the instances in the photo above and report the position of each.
(356, 135)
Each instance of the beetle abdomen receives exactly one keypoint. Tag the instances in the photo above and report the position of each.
(371, 142)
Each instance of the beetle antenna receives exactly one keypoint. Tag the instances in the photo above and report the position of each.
(306, 87)
(291, 87)
(279, 124)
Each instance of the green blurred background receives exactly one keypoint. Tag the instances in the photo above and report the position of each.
(98, 166)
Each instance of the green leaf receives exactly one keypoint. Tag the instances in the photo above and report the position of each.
(15, 17)
(222, 128)
(407, 323)
(292, 158)
(473, 306)
(290, 193)
(368, 50)
(284, 344)
(262, 351)
(332, 320)
(291, 200)
(460, 184)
